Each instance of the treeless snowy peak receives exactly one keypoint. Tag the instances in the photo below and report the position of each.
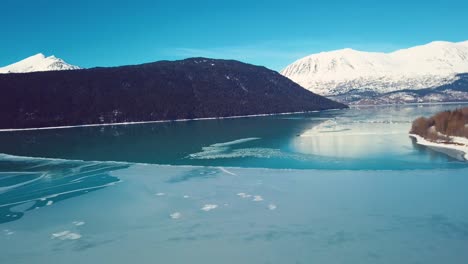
(38, 62)
(340, 71)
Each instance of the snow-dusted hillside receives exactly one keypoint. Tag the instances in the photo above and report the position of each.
(38, 62)
(342, 71)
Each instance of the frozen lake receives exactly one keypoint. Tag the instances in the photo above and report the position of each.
(332, 187)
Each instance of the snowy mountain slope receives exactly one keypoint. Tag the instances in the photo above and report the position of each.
(38, 62)
(347, 70)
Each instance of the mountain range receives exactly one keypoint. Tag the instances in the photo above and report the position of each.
(419, 74)
(435, 72)
(164, 90)
(38, 62)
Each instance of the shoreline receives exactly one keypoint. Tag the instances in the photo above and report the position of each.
(162, 121)
(455, 151)
(404, 104)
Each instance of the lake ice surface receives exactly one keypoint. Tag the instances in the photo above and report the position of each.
(337, 188)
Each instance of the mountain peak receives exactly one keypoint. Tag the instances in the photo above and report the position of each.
(463, 43)
(445, 43)
(38, 62)
(347, 50)
(440, 42)
(335, 52)
(340, 71)
(38, 56)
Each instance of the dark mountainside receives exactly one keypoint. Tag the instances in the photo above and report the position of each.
(165, 90)
(460, 85)
(456, 91)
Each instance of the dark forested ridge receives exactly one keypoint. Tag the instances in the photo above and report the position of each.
(165, 90)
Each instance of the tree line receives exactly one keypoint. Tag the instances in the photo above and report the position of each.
(442, 125)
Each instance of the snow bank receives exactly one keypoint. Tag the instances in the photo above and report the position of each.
(458, 150)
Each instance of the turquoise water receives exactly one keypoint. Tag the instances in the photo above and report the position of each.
(354, 139)
(332, 187)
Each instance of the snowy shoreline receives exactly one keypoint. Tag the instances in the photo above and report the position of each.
(409, 104)
(458, 151)
(160, 121)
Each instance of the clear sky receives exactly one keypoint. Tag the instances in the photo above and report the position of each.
(270, 33)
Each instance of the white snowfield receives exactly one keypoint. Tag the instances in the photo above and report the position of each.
(337, 72)
(36, 63)
(458, 150)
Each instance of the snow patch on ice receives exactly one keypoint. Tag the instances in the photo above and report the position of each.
(8, 232)
(66, 235)
(225, 151)
(175, 215)
(244, 195)
(257, 198)
(272, 207)
(209, 207)
(228, 153)
(226, 171)
(78, 223)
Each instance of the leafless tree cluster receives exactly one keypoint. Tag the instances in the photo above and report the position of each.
(443, 124)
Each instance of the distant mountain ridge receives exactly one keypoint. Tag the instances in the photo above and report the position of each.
(356, 75)
(164, 90)
(38, 62)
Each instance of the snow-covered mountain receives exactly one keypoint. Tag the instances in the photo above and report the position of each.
(347, 71)
(38, 62)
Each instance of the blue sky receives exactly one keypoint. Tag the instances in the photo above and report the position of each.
(270, 33)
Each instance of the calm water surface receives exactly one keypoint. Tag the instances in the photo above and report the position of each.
(344, 186)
